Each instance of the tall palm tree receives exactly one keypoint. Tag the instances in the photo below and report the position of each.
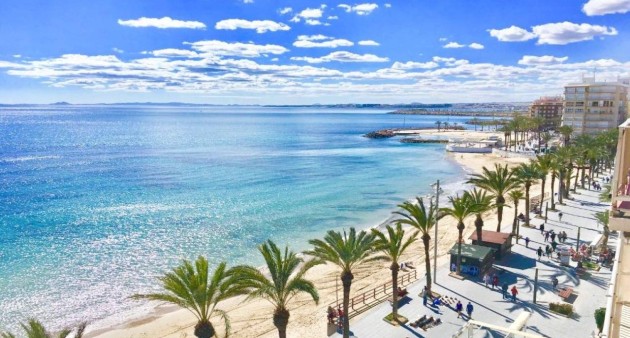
(554, 170)
(285, 281)
(439, 124)
(545, 165)
(481, 202)
(347, 251)
(35, 329)
(391, 247)
(192, 287)
(460, 209)
(498, 182)
(417, 216)
(528, 174)
(566, 132)
(515, 196)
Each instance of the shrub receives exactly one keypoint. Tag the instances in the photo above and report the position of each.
(562, 308)
(600, 317)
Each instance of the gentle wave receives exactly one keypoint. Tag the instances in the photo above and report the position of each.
(28, 158)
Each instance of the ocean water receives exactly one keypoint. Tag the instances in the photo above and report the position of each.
(96, 201)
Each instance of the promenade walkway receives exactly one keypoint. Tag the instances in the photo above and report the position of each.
(518, 268)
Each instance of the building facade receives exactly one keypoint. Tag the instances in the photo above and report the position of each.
(549, 108)
(591, 107)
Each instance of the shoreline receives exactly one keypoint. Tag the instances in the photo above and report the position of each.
(306, 320)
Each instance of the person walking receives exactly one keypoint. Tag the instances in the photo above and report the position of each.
(424, 296)
(548, 251)
(495, 281)
(469, 310)
(487, 279)
(560, 217)
(527, 242)
(514, 293)
(459, 307)
(546, 236)
(553, 236)
(504, 290)
(539, 252)
(554, 245)
(554, 282)
(542, 228)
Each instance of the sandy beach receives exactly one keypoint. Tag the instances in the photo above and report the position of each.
(253, 319)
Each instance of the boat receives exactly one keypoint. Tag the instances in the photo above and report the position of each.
(477, 147)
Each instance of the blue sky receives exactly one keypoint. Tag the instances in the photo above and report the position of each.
(302, 52)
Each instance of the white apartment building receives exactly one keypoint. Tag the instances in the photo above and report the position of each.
(591, 107)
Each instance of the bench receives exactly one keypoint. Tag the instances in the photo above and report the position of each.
(565, 293)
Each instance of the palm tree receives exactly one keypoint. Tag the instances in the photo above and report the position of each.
(439, 124)
(34, 329)
(498, 182)
(193, 288)
(528, 174)
(460, 209)
(603, 218)
(481, 202)
(285, 281)
(545, 164)
(566, 132)
(391, 248)
(554, 170)
(347, 251)
(515, 196)
(417, 216)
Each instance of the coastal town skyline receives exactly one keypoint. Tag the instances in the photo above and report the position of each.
(255, 52)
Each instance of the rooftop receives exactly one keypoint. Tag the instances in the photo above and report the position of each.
(472, 251)
(491, 236)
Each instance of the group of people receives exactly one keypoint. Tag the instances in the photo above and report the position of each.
(460, 307)
(335, 314)
(596, 186)
(493, 280)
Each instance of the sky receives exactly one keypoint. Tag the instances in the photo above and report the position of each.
(306, 52)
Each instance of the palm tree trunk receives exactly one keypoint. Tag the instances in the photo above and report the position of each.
(346, 281)
(515, 221)
(460, 228)
(553, 203)
(567, 185)
(560, 186)
(575, 182)
(527, 186)
(394, 267)
(479, 226)
(204, 329)
(427, 259)
(281, 320)
(500, 201)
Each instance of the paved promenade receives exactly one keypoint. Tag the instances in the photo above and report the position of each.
(517, 268)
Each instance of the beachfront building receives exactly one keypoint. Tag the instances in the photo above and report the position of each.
(617, 322)
(591, 107)
(549, 108)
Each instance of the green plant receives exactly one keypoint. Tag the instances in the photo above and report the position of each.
(600, 317)
(561, 308)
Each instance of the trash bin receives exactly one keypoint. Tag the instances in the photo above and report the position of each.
(565, 254)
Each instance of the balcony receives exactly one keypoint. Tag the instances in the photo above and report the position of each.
(620, 214)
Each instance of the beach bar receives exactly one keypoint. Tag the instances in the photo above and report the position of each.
(476, 259)
(500, 242)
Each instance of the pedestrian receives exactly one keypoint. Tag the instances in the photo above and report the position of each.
(340, 316)
(553, 236)
(527, 242)
(546, 236)
(459, 307)
(554, 282)
(539, 252)
(514, 293)
(487, 279)
(504, 290)
(560, 217)
(495, 281)
(542, 228)
(331, 315)
(469, 310)
(424, 296)
(548, 251)
(554, 245)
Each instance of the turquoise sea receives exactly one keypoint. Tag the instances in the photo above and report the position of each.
(96, 201)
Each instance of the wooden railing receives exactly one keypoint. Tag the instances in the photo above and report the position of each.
(369, 298)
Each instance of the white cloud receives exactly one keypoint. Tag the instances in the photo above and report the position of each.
(248, 1)
(17, 56)
(221, 48)
(560, 33)
(320, 41)
(261, 26)
(310, 16)
(512, 34)
(443, 39)
(369, 43)
(530, 60)
(118, 50)
(313, 22)
(342, 56)
(360, 9)
(603, 7)
(333, 17)
(414, 65)
(563, 33)
(388, 5)
(275, 59)
(476, 45)
(174, 53)
(161, 23)
(285, 10)
(454, 44)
